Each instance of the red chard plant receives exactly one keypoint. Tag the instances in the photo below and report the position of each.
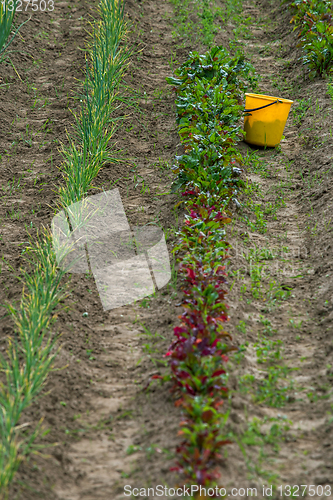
(209, 94)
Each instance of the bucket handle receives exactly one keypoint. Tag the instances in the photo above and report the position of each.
(261, 107)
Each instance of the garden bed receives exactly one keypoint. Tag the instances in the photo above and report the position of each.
(109, 431)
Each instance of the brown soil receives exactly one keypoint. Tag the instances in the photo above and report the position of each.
(94, 406)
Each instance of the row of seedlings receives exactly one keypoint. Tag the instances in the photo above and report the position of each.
(209, 90)
(314, 20)
(30, 356)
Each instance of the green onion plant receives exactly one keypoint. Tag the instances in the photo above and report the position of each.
(88, 147)
(31, 353)
(7, 13)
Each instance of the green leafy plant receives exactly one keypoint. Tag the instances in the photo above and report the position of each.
(7, 13)
(209, 91)
(315, 20)
(268, 350)
(270, 389)
(300, 110)
(196, 20)
(255, 434)
(330, 87)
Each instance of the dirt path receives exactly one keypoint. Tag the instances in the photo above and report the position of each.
(110, 432)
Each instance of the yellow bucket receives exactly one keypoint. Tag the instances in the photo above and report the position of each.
(266, 119)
